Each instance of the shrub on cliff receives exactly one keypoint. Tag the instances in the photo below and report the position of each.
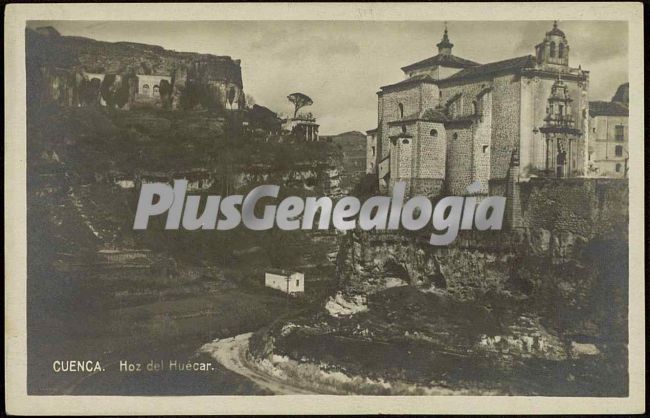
(586, 296)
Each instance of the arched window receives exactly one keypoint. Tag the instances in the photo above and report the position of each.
(455, 136)
(560, 51)
(433, 133)
(552, 50)
(475, 107)
(401, 110)
(145, 89)
(156, 91)
(405, 141)
(456, 106)
(404, 128)
(618, 168)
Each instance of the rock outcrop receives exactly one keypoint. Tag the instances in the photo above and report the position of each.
(67, 69)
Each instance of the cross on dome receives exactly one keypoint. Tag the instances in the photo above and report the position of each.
(444, 46)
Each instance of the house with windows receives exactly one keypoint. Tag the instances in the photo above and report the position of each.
(149, 86)
(452, 121)
(291, 283)
(608, 139)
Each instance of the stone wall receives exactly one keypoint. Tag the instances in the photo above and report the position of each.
(414, 99)
(431, 188)
(483, 142)
(459, 159)
(582, 207)
(469, 93)
(506, 107)
(503, 104)
(430, 151)
(418, 158)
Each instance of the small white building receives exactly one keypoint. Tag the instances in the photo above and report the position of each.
(291, 283)
(149, 85)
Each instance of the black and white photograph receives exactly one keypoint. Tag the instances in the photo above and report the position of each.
(353, 207)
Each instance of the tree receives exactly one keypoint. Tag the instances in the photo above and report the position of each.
(165, 89)
(107, 90)
(299, 101)
(250, 101)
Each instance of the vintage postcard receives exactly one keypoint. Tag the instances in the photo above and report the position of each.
(324, 208)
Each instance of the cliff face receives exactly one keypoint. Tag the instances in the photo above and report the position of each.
(561, 219)
(80, 71)
(570, 260)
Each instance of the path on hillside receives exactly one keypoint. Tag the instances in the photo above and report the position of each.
(231, 353)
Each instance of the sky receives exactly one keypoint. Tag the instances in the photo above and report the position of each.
(342, 64)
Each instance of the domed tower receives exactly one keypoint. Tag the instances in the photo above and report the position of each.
(554, 49)
(560, 132)
(445, 46)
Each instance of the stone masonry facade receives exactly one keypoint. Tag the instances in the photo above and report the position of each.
(452, 122)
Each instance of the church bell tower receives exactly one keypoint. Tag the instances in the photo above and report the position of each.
(554, 49)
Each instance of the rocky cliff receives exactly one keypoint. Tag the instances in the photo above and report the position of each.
(572, 253)
(63, 69)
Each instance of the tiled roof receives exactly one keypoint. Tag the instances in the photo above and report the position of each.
(420, 78)
(608, 109)
(446, 60)
(526, 61)
(415, 115)
(434, 115)
(428, 115)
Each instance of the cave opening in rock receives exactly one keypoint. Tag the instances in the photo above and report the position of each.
(395, 270)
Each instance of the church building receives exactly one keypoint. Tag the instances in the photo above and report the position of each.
(452, 121)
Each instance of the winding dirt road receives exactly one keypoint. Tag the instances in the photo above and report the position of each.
(231, 353)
